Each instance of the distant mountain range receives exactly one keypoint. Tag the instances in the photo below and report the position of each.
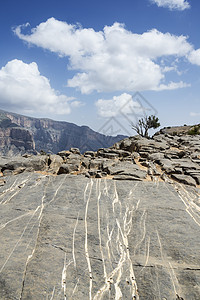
(20, 134)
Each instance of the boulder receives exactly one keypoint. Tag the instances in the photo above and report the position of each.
(67, 168)
(194, 174)
(156, 156)
(196, 178)
(75, 151)
(96, 163)
(127, 144)
(93, 172)
(74, 157)
(54, 162)
(184, 179)
(37, 162)
(89, 153)
(85, 162)
(64, 154)
(126, 169)
(98, 175)
(167, 165)
(33, 163)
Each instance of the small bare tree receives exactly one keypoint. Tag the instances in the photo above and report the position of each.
(144, 124)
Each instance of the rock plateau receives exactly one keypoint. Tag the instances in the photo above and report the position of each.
(117, 223)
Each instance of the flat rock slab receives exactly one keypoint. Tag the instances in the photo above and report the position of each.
(186, 179)
(69, 237)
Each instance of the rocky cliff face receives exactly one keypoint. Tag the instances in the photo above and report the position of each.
(117, 223)
(13, 138)
(48, 135)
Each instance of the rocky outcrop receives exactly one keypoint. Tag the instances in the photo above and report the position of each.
(47, 135)
(162, 158)
(117, 223)
(165, 157)
(181, 130)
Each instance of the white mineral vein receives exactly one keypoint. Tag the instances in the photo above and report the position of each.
(86, 236)
(99, 226)
(64, 276)
(116, 199)
(53, 292)
(10, 189)
(109, 242)
(76, 285)
(191, 208)
(19, 188)
(165, 263)
(124, 226)
(174, 279)
(73, 241)
(142, 230)
(19, 240)
(56, 192)
(147, 254)
(15, 219)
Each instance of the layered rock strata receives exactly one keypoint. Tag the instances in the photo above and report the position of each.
(21, 134)
(165, 157)
(118, 223)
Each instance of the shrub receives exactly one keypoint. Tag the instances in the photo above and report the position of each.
(194, 130)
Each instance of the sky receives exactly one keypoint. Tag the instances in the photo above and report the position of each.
(103, 64)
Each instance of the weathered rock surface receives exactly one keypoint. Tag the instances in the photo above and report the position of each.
(174, 156)
(164, 156)
(70, 237)
(184, 179)
(117, 223)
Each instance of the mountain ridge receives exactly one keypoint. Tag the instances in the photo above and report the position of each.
(48, 135)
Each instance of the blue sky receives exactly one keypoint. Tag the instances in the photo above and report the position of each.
(83, 61)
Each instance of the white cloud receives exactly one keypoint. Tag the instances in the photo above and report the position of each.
(194, 57)
(172, 4)
(168, 69)
(22, 87)
(113, 107)
(172, 86)
(77, 104)
(114, 59)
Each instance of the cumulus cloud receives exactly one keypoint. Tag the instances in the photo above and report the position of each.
(114, 59)
(172, 4)
(194, 57)
(22, 87)
(122, 104)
